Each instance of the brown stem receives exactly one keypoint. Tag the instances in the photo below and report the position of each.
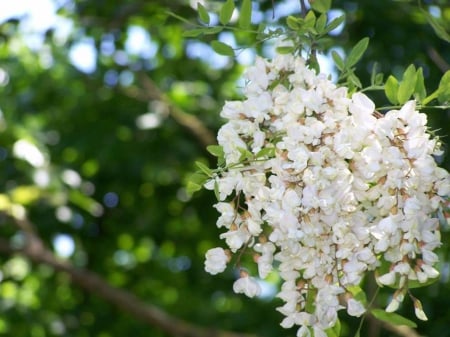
(303, 8)
(151, 92)
(438, 59)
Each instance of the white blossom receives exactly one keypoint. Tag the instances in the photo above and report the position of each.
(342, 191)
(248, 286)
(216, 260)
(355, 308)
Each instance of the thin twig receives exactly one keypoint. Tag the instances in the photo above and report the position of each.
(438, 59)
(303, 8)
(151, 92)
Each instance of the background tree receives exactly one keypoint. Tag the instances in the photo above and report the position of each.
(95, 160)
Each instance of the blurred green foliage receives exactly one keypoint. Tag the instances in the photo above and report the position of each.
(117, 191)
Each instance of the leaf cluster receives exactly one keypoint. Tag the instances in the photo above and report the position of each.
(412, 85)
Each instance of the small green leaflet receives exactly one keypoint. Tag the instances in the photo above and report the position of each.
(213, 30)
(392, 317)
(245, 154)
(334, 23)
(354, 80)
(338, 60)
(215, 150)
(358, 294)
(204, 30)
(420, 92)
(205, 169)
(195, 182)
(194, 32)
(407, 85)
(285, 49)
(192, 187)
(321, 6)
(391, 89)
(226, 12)
(222, 48)
(444, 88)
(216, 190)
(335, 331)
(266, 152)
(357, 52)
(293, 22)
(309, 21)
(321, 23)
(203, 13)
(245, 15)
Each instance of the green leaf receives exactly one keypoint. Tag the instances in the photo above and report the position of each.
(285, 49)
(392, 317)
(192, 187)
(334, 23)
(195, 182)
(379, 79)
(335, 331)
(407, 85)
(222, 48)
(203, 13)
(357, 52)
(245, 15)
(354, 80)
(420, 92)
(212, 30)
(310, 20)
(310, 301)
(194, 32)
(391, 89)
(338, 61)
(245, 154)
(216, 190)
(265, 152)
(437, 26)
(293, 22)
(321, 23)
(205, 169)
(226, 12)
(373, 74)
(358, 294)
(198, 178)
(444, 88)
(321, 6)
(215, 150)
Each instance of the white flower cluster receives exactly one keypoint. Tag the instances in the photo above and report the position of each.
(324, 188)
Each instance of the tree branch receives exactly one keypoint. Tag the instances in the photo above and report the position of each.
(36, 251)
(438, 59)
(151, 92)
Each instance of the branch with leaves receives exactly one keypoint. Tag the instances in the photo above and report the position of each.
(35, 250)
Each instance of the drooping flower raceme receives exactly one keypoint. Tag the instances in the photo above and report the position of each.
(320, 185)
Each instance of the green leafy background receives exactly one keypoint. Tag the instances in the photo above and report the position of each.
(151, 242)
